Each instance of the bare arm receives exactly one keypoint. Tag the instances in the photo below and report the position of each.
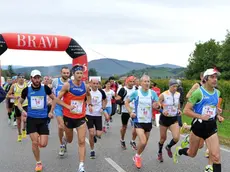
(21, 100)
(10, 93)
(127, 106)
(194, 87)
(188, 111)
(88, 95)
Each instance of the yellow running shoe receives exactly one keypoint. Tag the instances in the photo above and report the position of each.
(19, 138)
(38, 167)
(23, 134)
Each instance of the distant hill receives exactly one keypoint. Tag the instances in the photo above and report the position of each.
(105, 67)
(158, 72)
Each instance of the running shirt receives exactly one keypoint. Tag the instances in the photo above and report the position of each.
(18, 91)
(143, 105)
(205, 102)
(171, 103)
(57, 85)
(129, 92)
(76, 97)
(109, 94)
(96, 100)
(37, 100)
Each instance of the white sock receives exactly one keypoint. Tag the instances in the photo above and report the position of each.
(81, 164)
(132, 141)
(123, 140)
(92, 150)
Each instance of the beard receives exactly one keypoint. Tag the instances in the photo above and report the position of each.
(36, 84)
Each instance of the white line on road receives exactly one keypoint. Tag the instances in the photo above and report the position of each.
(114, 164)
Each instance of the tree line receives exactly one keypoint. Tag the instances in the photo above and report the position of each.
(210, 54)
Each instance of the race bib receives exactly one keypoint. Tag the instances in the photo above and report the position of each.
(37, 102)
(95, 100)
(12, 100)
(172, 110)
(209, 110)
(78, 106)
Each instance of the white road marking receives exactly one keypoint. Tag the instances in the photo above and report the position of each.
(115, 165)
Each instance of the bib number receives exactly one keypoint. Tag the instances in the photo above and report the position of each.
(78, 106)
(37, 102)
(172, 110)
(209, 110)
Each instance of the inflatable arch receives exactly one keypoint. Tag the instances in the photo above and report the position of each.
(21, 41)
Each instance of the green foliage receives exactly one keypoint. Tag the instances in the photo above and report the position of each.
(224, 58)
(203, 57)
(10, 71)
(92, 72)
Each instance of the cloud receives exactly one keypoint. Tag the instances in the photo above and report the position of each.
(121, 29)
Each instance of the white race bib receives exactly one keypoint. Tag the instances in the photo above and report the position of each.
(37, 102)
(78, 106)
(209, 110)
(172, 110)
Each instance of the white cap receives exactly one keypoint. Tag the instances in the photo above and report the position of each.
(35, 73)
(211, 72)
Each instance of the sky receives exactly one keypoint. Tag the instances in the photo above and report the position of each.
(147, 31)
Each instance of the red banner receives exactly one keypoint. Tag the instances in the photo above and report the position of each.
(45, 43)
(83, 61)
(36, 42)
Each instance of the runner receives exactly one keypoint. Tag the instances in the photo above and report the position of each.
(15, 93)
(181, 91)
(114, 87)
(94, 117)
(202, 106)
(170, 102)
(109, 95)
(57, 86)
(10, 102)
(144, 99)
(123, 95)
(158, 91)
(74, 93)
(37, 118)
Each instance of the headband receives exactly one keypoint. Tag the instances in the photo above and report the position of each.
(76, 68)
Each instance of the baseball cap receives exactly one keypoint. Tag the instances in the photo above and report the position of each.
(211, 72)
(173, 82)
(35, 73)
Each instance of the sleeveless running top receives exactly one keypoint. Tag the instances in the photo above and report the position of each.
(75, 96)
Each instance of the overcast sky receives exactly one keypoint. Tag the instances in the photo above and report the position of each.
(148, 31)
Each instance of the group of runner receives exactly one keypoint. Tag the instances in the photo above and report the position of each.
(88, 106)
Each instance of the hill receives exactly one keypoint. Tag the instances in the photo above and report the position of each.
(105, 67)
(158, 72)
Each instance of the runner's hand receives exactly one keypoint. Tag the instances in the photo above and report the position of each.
(205, 117)
(51, 115)
(90, 109)
(220, 118)
(179, 112)
(156, 105)
(71, 107)
(133, 115)
(165, 113)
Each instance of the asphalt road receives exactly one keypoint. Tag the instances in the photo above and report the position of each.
(18, 157)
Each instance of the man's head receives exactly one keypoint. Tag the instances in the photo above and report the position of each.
(154, 84)
(107, 84)
(65, 73)
(14, 79)
(21, 78)
(111, 79)
(210, 77)
(173, 85)
(145, 82)
(35, 77)
(137, 82)
(46, 80)
(130, 81)
(77, 72)
(94, 84)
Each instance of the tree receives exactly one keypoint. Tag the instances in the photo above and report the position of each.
(203, 57)
(224, 58)
(10, 71)
(92, 72)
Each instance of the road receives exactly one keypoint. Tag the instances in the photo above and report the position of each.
(18, 157)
